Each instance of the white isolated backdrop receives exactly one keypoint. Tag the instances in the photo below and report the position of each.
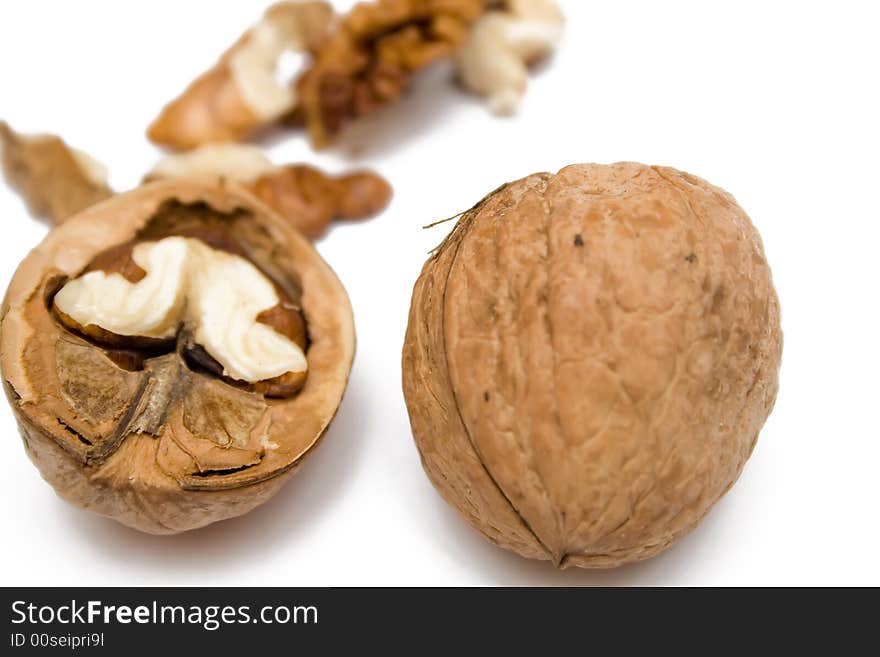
(776, 102)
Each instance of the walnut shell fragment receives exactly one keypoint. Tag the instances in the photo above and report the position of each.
(146, 432)
(589, 359)
(241, 92)
(307, 197)
(55, 180)
(371, 55)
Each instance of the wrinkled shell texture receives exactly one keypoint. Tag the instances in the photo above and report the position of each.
(589, 359)
(166, 448)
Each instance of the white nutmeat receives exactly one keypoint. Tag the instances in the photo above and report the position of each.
(279, 41)
(243, 163)
(494, 60)
(218, 294)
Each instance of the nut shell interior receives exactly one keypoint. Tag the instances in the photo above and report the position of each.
(152, 441)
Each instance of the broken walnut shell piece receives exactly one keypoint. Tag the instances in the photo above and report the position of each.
(155, 441)
(371, 55)
(309, 198)
(589, 359)
(55, 180)
(241, 92)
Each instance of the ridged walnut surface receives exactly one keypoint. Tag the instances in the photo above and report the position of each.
(589, 359)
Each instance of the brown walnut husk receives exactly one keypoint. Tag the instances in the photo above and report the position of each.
(371, 56)
(151, 441)
(589, 359)
(55, 180)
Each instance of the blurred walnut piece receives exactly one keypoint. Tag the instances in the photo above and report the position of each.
(141, 339)
(494, 60)
(58, 181)
(55, 180)
(304, 195)
(371, 55)
(357, 63)
(242, 92)
(589, 359)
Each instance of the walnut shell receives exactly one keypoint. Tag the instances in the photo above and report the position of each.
(55, 180)
(589, 359)
(155, 444)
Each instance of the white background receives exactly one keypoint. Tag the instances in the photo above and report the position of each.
(776, 102)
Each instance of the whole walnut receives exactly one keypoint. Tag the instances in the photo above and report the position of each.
(589, 359)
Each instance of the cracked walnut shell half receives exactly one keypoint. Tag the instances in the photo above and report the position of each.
(589, 359)
(173, 353)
